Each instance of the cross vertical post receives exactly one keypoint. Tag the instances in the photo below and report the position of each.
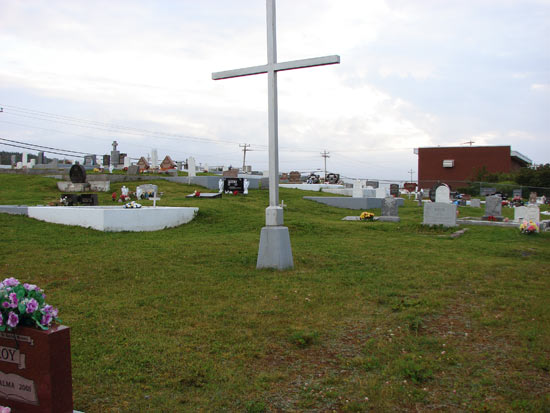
(275, 251)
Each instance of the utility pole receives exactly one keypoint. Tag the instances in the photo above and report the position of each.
(245, 148)
(411, 172)
(324, 154)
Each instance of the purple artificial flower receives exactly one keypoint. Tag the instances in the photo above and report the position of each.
(10, 282)
(13, 319)
(30, 287)
(55, 311)
(32, 305)
(5, 304)
(1, 320)
(47, 309)
(14, 300)
(46, 319)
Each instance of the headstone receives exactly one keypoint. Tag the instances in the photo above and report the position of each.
(31, 163)
(394, 190)
(533, 198)
(179, 165)
(475, 203)
(410, 186)
(126, 161)
(374, 184)
(390, 210)
(381, 193)
(487, 191)
(332, 178)
(154, 159)
(24, 160)
(192, 167)
(493, 207)
(519, 213)
(443, 194)
(532, 213)
(313, 179)
(357, 189)
(294, 177)
(233, 184)
(41, 158)
(230, 173)
(13, 161)
(146, 190)
(35, 370)
(517, 193)
(220, 185)
(77, 173)
(436, 213)
(106, 160)
(133, 170)
(246, 184)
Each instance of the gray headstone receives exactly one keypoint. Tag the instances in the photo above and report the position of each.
(133, 170)
(517, 192)
(475, 202)
(493, 206)
(438, 213)
(487, 191)
(390, 207)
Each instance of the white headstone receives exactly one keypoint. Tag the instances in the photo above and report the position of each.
(220, 185)
(357, 189)
(31, 163)
(532, 213)
(154, 159)
(381, 192)
(19, 165)
(191, 167)
(126, 161)
(519, 213)
(443, 194)
(246, 184)
(24, 159)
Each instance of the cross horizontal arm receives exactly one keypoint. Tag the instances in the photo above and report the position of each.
(247, 71)
(278, 67)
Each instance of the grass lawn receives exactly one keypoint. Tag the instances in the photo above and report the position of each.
(374, 316)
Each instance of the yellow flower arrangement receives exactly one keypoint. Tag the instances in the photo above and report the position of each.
(366, 216)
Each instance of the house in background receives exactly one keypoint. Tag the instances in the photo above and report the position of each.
(456, 165)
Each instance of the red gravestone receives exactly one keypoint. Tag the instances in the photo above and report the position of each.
(410, 186)
(35, 370)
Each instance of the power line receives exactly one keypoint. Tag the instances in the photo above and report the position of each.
(46, 147)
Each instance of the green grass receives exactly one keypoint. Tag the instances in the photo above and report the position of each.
(180, 319)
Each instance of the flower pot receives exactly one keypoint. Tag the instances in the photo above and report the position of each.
(35, 370)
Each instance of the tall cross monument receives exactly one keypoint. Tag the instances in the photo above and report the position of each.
(275, 250)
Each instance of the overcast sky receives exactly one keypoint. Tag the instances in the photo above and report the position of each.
(78, 74)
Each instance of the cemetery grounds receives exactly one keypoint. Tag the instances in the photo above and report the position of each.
(374, 316)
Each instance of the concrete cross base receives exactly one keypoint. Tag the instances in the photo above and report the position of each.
(275, 251)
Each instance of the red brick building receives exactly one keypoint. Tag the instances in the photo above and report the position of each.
(457, 165)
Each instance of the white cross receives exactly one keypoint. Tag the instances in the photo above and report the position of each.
(271, 68)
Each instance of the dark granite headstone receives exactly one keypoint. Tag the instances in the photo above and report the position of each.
(35, 370)
(332, 178)
(233, 184)
(394, 189)
(77, 174)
